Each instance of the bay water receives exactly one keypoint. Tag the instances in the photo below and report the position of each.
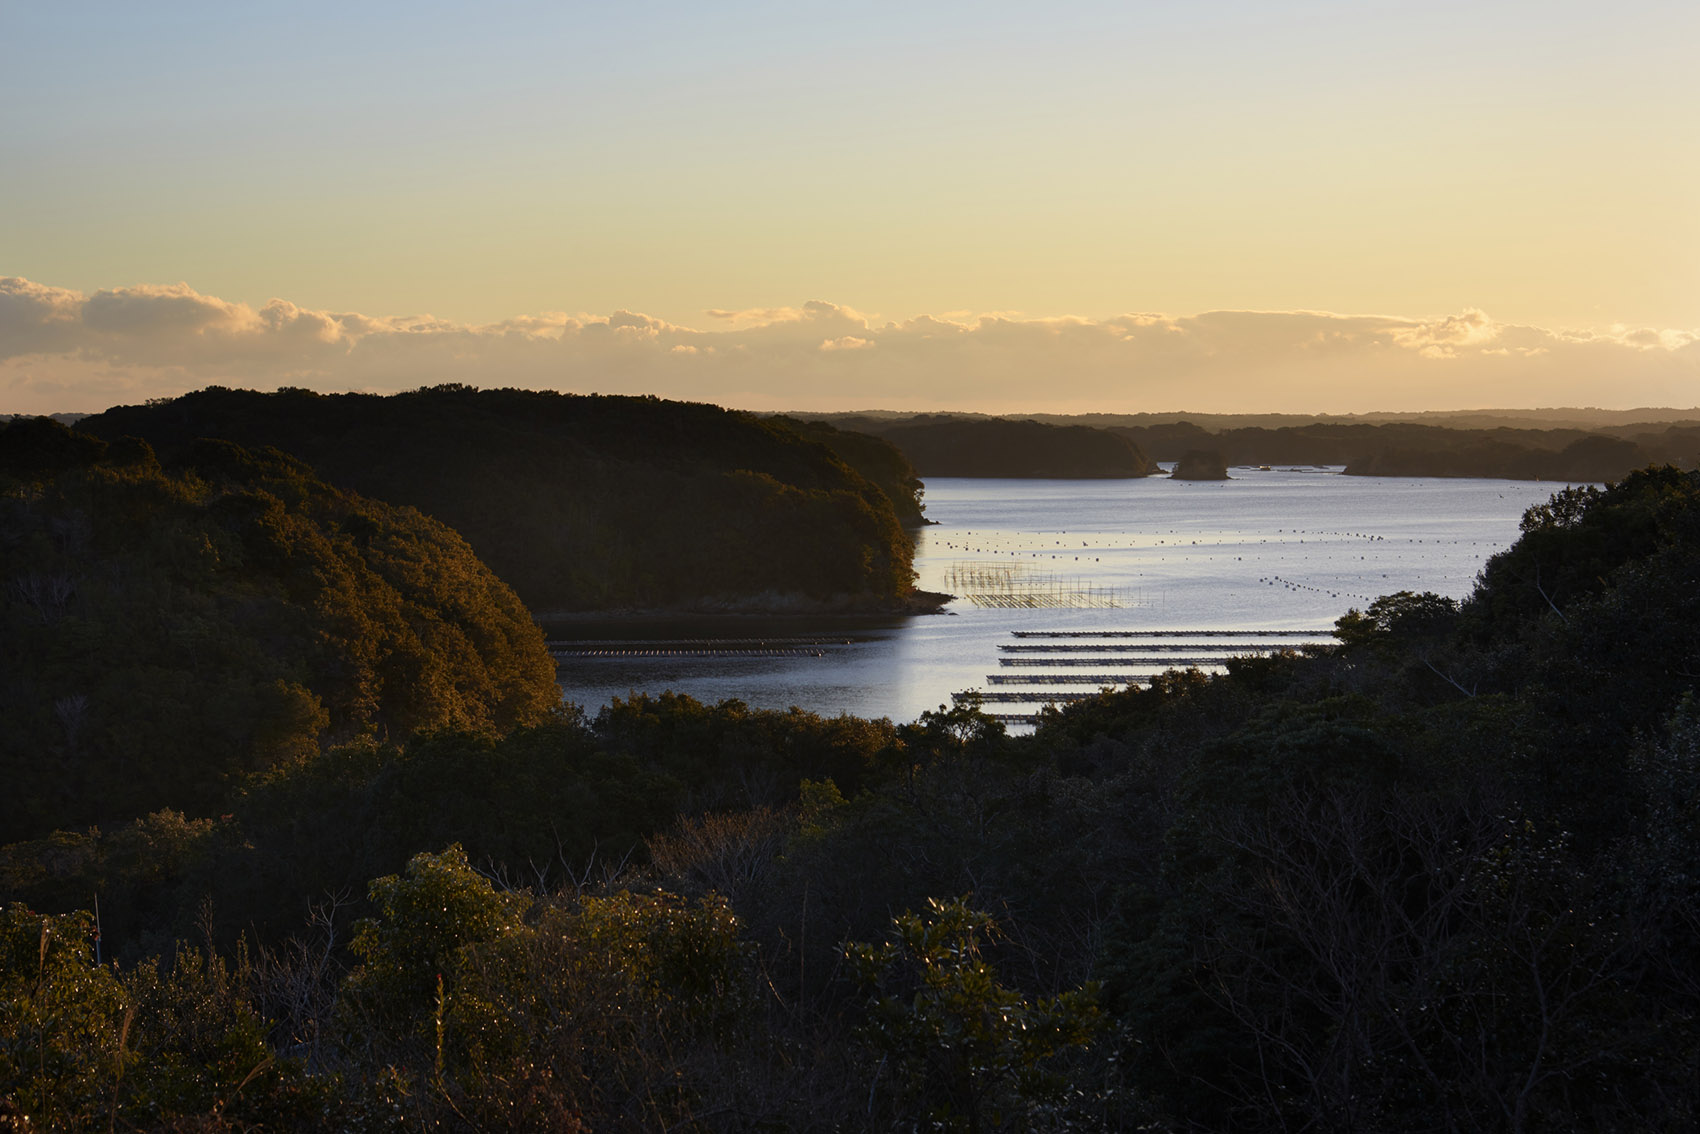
(1063, 584)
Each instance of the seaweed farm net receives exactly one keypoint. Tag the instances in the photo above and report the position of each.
(1016, 586)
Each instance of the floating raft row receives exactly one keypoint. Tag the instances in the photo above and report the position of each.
(1035, 698)
(697, 652)
(1099, 679)
(678, 643)
(1146, 663)
(1320, 635)
(1144, 647)
(1136, 655)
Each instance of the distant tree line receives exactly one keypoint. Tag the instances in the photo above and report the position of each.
(1402, 449)
(973, 445)
(944, 445)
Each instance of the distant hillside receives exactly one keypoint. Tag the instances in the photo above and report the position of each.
(1543, 444)
(61, 418)
(168, 629)
(1580, 418)
(584, 502)
(1427, 450)
(944, 445)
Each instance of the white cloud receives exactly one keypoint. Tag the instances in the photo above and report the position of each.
(64, 350)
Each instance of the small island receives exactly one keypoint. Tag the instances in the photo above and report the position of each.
(1200, 464)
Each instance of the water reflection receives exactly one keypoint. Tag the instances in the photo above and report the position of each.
(1271, 550)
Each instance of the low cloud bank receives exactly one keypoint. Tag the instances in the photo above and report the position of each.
(66, 350)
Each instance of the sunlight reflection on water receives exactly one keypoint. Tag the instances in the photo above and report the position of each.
(1283, 549)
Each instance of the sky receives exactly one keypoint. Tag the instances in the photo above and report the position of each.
(1293, 205)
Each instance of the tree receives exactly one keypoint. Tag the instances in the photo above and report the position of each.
(965, 1052)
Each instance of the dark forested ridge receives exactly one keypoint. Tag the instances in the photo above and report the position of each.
(1442, 875)
(168, 629)
(586, 502)
(1407, 449)
(875, 458)
(946, 445)
(1510, 447)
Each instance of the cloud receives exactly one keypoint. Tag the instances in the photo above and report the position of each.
(65, 350)
(755, 314)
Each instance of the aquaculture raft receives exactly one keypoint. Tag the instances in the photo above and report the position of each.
(1118, 658)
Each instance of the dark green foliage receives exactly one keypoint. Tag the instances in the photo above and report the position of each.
(875, 458)
(543, 803)
(966, 1052)
(85, 1047)
(1571, 546)
(1397, 622)
(169, 630)
(515, 1009)
(589, 503)
(731, 756)
(1439, 877)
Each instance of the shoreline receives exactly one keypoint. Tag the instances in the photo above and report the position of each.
(755, 607)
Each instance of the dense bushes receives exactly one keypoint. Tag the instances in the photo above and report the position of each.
(1440, 876)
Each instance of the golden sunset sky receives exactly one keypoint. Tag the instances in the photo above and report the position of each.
(1282, 206)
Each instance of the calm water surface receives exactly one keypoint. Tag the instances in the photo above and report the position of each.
(1277, 550)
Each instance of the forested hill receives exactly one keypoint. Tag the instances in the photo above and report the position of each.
(168, 629)
(1407, 449)
(584, 502)
(946, 445)
(875, 458)
(1508, 446)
